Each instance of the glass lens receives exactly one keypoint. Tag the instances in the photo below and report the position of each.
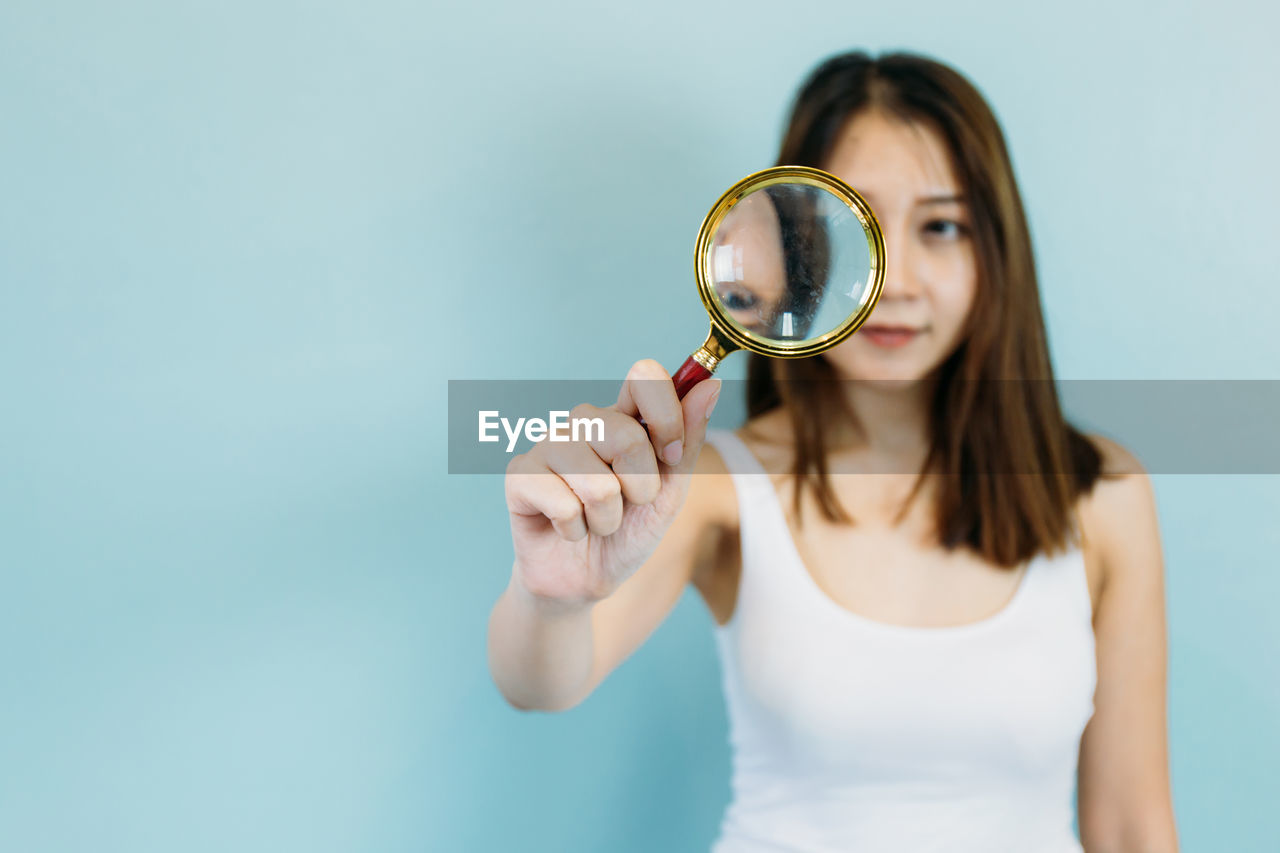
(789, 263)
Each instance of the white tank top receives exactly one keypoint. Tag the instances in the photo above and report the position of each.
(850, 734)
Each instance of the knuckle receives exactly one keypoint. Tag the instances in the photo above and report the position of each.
(534, 455)
(583, 410)
(601, 489)
(647, 368)
(630, 437)
(515, 465)
(563, 511)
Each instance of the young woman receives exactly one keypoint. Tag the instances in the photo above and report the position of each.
(942, 607)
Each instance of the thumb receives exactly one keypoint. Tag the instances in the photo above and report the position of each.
(697, 406)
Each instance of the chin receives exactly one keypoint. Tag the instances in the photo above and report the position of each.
(891, 374)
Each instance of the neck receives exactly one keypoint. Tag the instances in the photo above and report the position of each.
(894, 419)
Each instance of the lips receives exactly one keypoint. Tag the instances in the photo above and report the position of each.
(884, 327)
(887, 336)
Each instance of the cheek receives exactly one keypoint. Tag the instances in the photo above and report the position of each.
(956, 304)
(952, 282)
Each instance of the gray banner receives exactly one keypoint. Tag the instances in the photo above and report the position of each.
(1210, 426)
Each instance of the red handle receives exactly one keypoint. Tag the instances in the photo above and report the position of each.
(689, 374)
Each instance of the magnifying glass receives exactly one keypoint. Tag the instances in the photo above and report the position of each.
(789, 262)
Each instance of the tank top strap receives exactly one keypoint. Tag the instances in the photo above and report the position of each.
(768, 582)
(750, 480)
(738, 458)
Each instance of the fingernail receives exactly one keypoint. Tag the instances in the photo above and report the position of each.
(711, 404)
(673, 451)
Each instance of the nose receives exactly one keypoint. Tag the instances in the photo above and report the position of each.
(899, 278)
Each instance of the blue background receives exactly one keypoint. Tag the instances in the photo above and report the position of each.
(244, 245)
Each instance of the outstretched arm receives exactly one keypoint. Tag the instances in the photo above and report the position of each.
(1124, 801)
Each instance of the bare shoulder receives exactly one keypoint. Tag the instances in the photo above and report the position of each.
(1124, 489)
(1116, 458)
(712, 500)
(1118, 517)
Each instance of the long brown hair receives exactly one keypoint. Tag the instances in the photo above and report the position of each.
(1010, 465)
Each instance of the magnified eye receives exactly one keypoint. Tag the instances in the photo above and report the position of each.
(738, 299)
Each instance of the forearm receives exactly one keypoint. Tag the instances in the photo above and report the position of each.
(540, 655)
(1143, 825)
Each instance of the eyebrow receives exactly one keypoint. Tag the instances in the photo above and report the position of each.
(924, 199)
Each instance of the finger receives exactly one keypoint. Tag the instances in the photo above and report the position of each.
(535, 491)
(594, 483)
(649, 393)
(624, 445)
(697, 407)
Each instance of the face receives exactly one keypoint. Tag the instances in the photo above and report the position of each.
(930, 272)
(750, 276)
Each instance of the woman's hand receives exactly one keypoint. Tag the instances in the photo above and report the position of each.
(586, 514)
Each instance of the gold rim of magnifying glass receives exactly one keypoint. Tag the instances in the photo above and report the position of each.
(737, 336)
